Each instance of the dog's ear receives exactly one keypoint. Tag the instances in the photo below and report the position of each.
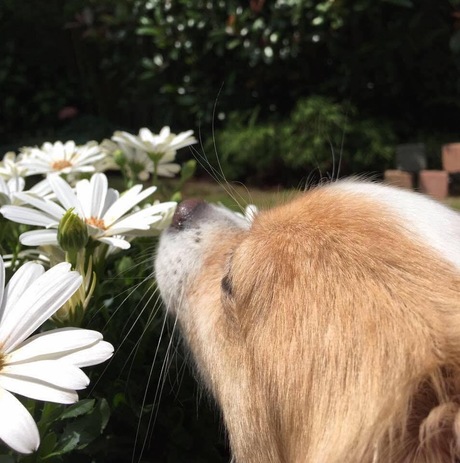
(437, 400)
(439, 434)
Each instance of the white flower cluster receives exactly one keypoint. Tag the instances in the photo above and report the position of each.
(47, 366)
(111, 217)
(108, 215)
(148, 153)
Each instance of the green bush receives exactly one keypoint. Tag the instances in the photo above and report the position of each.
(320, 138)
(135, 63)
(246, 150)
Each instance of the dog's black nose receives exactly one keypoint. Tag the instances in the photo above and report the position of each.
(185, 211)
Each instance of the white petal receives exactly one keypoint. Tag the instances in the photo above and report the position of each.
(55, 372)
(38, 390)
(41, 188)
(16, 184)
(83, 192)
(128, 139)
(126, 202)
(110, 199)
(28, 216)
(140, 220)
(145, 134)
(91, 155)
(2, 286)
(64, 193)
(77, 168)
(168, 170)
(164, 132)
(41, 300)
(93, 355)
(4, 188)
(117, 242)
(17, 427)
(99, 187)
(168, 157)
(48, 207)
(69, 149)
(18, 283)
(54, 344)
(182, 136)
(39, 238)
(182, 140)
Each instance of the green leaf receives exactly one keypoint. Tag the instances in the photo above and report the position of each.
(85, 429)
(188, 170)
(119, 399)
(177, 196)
(67, 444)
(47, 446)
(82, 407)
(146, 31)
(104, 411)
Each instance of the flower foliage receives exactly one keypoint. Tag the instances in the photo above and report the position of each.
(155, 153)
(101, 208)
(45, 366)
(61, 238)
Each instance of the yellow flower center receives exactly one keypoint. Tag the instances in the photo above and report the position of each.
(2, 361)
(61, 164)
(96, 222)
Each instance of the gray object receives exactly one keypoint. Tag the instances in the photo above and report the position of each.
(411, 157)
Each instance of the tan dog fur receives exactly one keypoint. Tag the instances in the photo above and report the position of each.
(327, 334)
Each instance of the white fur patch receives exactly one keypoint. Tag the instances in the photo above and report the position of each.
(434, 223)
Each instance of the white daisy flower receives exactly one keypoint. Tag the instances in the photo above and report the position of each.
(45, 366)
(136, 161)
(105, 212)
(160, 148)
(63, 158)
(10, 167)
(10, 188)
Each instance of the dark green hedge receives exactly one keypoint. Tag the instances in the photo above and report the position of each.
(132, 63)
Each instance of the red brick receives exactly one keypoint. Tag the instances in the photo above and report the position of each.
(434, 183)
(451, 157)
(399, 178)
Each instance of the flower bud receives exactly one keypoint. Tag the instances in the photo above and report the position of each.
(119, 158)
(72, 232)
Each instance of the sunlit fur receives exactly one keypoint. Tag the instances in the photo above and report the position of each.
(328, 332)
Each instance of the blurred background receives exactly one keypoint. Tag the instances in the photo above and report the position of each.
(278, 85)
(281, 90)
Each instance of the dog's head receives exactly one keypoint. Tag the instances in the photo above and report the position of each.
(329, 328)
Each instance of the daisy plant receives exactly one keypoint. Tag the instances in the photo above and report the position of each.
(160, 148)
(45, 366)
(71, 247)
(62, 158)
(134, 163)
(86, 222)
(109, 217)
(10, 167)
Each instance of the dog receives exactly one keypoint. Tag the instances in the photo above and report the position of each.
(328, 329)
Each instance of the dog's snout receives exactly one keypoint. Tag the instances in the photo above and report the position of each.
(185, 212)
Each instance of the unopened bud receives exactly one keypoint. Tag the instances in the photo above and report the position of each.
(72, 232)
(119, 157)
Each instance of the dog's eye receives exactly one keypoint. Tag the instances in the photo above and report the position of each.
(226, 285)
